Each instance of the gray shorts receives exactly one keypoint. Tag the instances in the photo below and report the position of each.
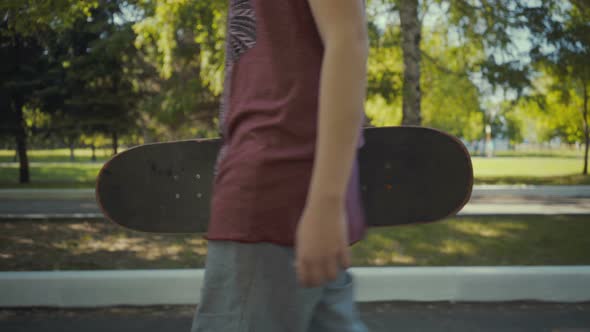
(252, 287)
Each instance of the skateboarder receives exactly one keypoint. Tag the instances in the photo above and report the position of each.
(285, 204)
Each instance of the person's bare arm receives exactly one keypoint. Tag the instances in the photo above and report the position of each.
(342, 93)
(322, 241)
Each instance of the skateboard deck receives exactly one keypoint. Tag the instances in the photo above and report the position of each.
(408, 175)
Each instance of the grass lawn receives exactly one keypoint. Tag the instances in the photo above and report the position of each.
(526, 166)
(52, 169)
(52, 175)
(564, 153)
(529, 170)
(90, 245)
(58, 155)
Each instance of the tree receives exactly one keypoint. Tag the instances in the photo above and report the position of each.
(183, 44)
(99, 92)
(554, 110)
(20, 67)
(93, 141)
(24, 26)
(70, 60)
(562, 51)
(449, 101)
(35, 18)
(486, 24)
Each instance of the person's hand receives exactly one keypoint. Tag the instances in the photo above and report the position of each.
(321, 245)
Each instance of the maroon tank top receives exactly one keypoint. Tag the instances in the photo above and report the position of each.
(268, 122)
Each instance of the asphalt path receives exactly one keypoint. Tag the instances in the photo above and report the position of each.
(487, 205)
(379, 317)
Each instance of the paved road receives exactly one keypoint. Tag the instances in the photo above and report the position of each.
(486, 200)
(509, 205)
(479, 205)
(478, 190)
(380, 317)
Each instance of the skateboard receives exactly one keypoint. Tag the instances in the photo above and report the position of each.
(408, 174)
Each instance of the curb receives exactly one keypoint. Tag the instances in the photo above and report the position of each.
(182, 286)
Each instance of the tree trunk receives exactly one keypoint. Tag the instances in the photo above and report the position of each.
(585, 171)
(115, 142)
(411, 35)
(93, 147)
(21, 143)
(586, 128)
(72, 157)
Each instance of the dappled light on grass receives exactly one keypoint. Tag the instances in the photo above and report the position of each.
(388, 251)
(23, 240)
(91, 245)
(144, 248)
(523, 240)
(494, 230)
(458, 248)
(383, 258)
(81, 227)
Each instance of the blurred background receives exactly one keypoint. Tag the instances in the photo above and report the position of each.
(84, 80)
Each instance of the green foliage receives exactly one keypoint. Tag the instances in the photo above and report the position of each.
(549, 116)
(24, 72)
(483, 31)
(558, 106)
(98, 67)
(450, 100)
(98, 95)
(179, 30)
(513, 127)
(385, 79)
(35, 18)
(473, 41)
(183, 42)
